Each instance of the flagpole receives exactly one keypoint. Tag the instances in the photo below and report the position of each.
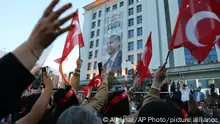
(168, 54)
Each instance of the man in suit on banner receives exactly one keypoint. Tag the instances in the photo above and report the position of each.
(114, 62)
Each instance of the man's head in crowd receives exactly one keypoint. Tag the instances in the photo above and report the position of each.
(114, 44)
(119, 108)
(158, 109)
(199, 89)
(79, 115)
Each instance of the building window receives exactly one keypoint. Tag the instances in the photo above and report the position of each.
(108, 9)
(139, 19)
(138, 0)
(139, 31)
(179, 2)
(139, 57)
(93, 25)
(131, 59)
(121, 3)
(94, 16)
(97, 43)
(95, 65)
(139, 44)
(130, 46)
(92, 34)
(189, 58)
(130, 11)
(99, 22)
(91, 44)
(139, 8)
(131, 22)
(130, 2)
(114, 7)
(212, 57)
(94, 74)
(89, 66)
(88, 76)
(96, 53)
(90, 55)
(100, 13)
(97, 33)
(131, 33)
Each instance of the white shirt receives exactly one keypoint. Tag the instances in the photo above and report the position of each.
(198, 97)
(112, 59)
(185, 94)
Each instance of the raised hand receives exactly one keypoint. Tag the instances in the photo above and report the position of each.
(48, 27)
(104, 76)
(136, 83)
(47, 82)
(78, 64)
(159, 77)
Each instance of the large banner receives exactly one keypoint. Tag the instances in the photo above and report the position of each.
(112, 43)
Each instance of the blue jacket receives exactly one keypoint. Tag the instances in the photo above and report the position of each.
(202, 96)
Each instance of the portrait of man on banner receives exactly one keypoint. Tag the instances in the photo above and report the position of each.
(113, 64)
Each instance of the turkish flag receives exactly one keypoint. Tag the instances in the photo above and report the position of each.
(197, 27)
(143, 65)
(74, 37)
(95, 82)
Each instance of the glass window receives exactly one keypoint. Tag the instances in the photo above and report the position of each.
(130, 2)
(139, 31)
(97, 43)
(98, 31)
(96, 53)
(90, 55)
(179, 2)
(131, 22)
(99, 22)
(91, 44)
(95, 65)
(138, 0)
(94, 74)
(92, 34)
(89, 66)
(94, 16)
(88, 76)
(100, 13)
(203, 83)
(108, 9)
(139, 44)
(130, 11)
(131, 33)
(139, 57)
(139, 19)
(121, 3)
(139, 8)
(131, 59)
(130, 46)
(93, 24)
(114, 7)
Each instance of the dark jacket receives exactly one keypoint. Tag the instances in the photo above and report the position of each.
(116, 66)
(15, 78)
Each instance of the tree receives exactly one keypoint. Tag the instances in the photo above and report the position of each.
(112, 80)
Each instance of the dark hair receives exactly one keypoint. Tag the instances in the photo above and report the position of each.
(158, 109)
(119, 109)
(52, 115)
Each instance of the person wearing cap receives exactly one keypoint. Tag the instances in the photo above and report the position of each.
(185, 95)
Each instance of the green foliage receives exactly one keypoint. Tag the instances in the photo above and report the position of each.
(112, 80)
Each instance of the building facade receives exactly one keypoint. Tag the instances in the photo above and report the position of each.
(133, 20)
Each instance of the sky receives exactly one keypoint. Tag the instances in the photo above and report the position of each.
(18, 18)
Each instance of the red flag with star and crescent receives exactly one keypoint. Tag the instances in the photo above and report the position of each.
(74, 38)
(197, 27)
(143, 65)
(95, 82)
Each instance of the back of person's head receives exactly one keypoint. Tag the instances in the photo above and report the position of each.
(79, 115)
(26, 104)
(120, 108)
(157, 111)
(63, 99)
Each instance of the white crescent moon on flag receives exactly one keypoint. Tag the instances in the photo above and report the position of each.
(193, 21)
(98, 81)
(143, 55)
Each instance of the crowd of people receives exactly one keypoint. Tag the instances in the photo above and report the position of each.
(66, 106)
